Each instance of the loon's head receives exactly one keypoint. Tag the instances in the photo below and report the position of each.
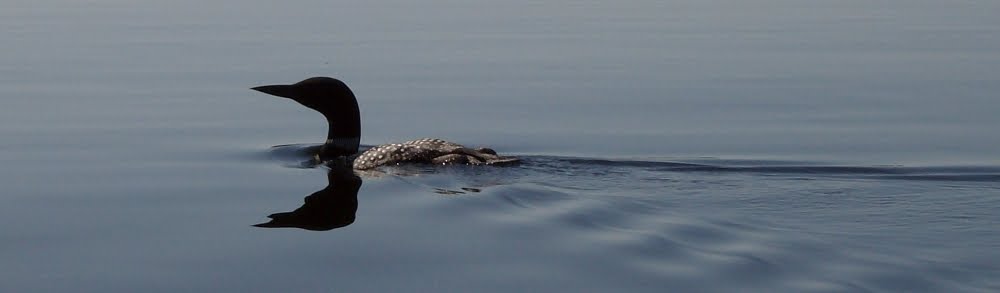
(335, 101)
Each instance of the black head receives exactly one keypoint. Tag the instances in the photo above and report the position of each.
(335, 101)
(324, 94)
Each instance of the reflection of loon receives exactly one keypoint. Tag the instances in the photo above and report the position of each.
(334, 99)
(327, 209)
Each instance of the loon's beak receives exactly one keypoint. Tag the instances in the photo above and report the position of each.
(282, 90)
(278, 220)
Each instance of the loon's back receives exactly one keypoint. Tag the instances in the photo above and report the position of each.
(428, 150)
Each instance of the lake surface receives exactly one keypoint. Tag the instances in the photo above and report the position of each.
(706, 146)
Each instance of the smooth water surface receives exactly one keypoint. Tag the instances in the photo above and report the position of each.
(668, 145)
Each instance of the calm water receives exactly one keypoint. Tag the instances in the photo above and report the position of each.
(668, 145)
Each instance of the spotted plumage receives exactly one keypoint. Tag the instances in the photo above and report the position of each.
(426, 150)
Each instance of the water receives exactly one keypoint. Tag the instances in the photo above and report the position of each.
(668, 146)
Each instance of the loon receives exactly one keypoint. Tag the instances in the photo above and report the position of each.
(332, 98)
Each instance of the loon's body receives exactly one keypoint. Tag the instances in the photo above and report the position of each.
(337, 103)
(428, 150)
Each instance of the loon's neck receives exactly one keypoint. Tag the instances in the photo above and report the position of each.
(342, 139)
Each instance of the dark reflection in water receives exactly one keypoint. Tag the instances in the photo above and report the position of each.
(330, 208)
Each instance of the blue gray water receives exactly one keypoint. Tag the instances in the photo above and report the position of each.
(669, 146)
